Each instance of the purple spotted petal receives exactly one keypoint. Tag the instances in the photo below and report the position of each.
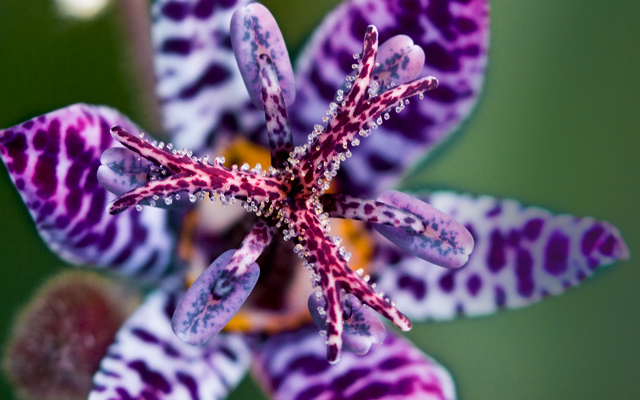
(254, 32)
(362, 327)
(293, 366)
(147, 361)
(213, 299)
(521, 255)
(199, 84)
(444, 242)
(53, 160)
(454, 37)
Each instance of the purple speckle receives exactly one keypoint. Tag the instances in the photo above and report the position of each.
(496, 257)
(405, 386)
(590, 239)
(439, 14)
(150, 263)
(88, 240)
(447, 282)
(74, 175)
(106, 140)
(91, 182)
(465, 25)
(443, 94)
(145, 336)
(439, 58)
(73, 142)
(77, 229)
(474, 284)
(501, 296)
(393, 363)
(171, 351)
(495, 211)
(346, 380)
(374, 390)
(176, 46)
(203, 9)
(190, 383)
(358, 23)
(96, 209)
(122, 256)
(123, 394)
(150, 377)
(62, 222)
(379, 163)
(73, 201)
(533, 228)
(417, 287)
(45, 178)
(524, 273)
(16, 147)
(311, 392)
(223, 350)
(40, 140)
(580, 275)
(513, 238)
(47, 209)
(368, 209)
(227, 3)
(608, 246)
(176, 11)
(556, 253)
(214, 75)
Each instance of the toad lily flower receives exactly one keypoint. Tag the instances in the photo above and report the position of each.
(246, 272)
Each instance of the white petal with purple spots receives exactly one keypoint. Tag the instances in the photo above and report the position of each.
(521, 255)
(293, 367)
(53, 161)
(199, 83)
(454, 37)
(148, 361)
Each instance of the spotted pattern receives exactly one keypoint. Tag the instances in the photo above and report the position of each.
(147, 361)
(409, 223)
(362, 327)
(522, 255)
(292, 367)
(328, 263)
(213, 299)
(255, 35)
(199, 85)
(351, 207)
(444, 242)
(280, 138)
(454, 37)
(191, 175)
(52, 161)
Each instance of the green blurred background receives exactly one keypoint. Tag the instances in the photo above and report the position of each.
(558, 126)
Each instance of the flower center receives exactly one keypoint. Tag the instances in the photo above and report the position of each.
(291, 196)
